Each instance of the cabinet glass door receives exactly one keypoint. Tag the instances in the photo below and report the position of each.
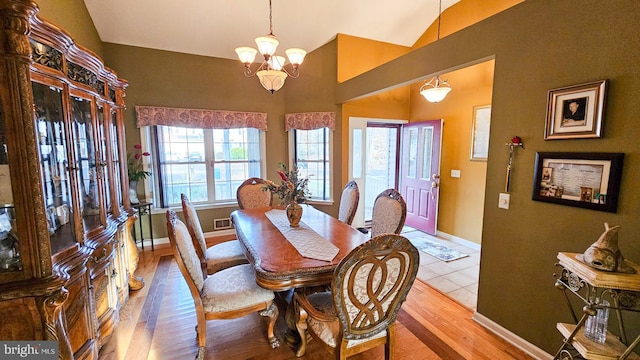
(102, 161)
(88, 184)
(54, 165)
(9, 245)
(115, 158)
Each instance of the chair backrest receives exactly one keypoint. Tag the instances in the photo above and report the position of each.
(251, 194)
(389, 213)
(185, 253)
(349, 202)
(193, 225)
(371, 283)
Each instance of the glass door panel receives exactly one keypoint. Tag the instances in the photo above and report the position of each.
(115, 159)
(86, 163)
(10, 259)
(54, 169)
(102, 161)
(381, 161)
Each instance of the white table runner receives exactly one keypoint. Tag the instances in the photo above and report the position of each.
(308, 242)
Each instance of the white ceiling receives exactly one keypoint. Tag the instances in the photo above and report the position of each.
(215, 27)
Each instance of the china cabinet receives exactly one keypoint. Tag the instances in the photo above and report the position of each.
(66, 252)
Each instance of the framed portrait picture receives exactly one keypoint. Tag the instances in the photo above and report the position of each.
(576, 111)
(586, 180)
(480, 133)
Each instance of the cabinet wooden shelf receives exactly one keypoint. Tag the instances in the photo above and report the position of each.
(590, 285)
(66, 252)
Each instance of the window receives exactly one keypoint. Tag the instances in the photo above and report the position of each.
(207, 165)
(311, 151)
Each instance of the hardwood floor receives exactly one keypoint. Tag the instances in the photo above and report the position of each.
(158, 322)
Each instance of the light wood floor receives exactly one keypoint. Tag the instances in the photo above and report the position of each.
(158, 323)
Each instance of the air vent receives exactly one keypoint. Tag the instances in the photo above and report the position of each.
(221, 224)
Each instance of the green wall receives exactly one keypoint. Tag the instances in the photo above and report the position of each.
(539, 45)
(73, 17)
(162, 78)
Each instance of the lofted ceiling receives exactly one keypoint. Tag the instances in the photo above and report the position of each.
(215, 27)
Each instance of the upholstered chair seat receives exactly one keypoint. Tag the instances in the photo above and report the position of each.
(224, 255)
(216, 257)
(349, 202)
(389, 213)
(368, 288)
(232, 289)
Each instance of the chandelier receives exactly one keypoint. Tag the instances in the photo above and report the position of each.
(436, 90)
(271, 72)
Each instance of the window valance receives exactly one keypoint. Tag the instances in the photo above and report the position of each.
(310, 121)
(199, 118)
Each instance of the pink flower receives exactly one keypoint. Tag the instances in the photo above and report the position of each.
(146, 153)
(137, 146)
(137, 156)
(282, 175)
(516, 140)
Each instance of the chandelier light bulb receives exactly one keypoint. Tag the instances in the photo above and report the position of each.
(296, 56)
(267, 45)
(246, 54)
(276, 62)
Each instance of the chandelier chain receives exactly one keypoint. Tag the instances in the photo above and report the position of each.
(270, 19)
(439, 14)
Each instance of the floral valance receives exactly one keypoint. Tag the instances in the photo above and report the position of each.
(310, 121)
(199, 118)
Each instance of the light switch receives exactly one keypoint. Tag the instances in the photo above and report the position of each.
(503, 200)
(455, 173)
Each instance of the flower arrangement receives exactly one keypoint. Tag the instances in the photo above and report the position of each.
(292, 188)
(134, 163)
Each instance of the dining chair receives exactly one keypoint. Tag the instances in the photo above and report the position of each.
(389, 213)
(217, 257)
(251, 194)
(368, 288)
(349, 202)
(227, 294)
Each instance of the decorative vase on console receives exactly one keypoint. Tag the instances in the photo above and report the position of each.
(292, 191)
(133, 192)
(136, 171)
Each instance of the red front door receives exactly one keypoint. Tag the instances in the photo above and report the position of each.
(420, 173)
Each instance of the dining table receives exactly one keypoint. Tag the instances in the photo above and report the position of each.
(270, 246)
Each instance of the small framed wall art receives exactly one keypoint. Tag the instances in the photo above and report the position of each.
(576, 111)
(586, 180)
(480, 133)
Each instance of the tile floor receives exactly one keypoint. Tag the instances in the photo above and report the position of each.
(457, 279)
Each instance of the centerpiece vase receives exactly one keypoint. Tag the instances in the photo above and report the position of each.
(133, 192)
(294, 214)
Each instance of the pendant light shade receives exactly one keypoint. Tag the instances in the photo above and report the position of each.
(436, 90)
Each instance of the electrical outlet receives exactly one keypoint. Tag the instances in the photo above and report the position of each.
(455, 173)
(503, 200)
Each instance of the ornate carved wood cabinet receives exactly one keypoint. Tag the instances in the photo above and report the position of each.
(65, 218)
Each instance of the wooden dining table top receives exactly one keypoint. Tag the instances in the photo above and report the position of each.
(278, 265)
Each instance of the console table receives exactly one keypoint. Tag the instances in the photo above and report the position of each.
(589, 285)
(143, 208)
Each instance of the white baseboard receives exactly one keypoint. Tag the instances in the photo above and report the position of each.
(514, 339)
(165, 240)
(457, 240)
